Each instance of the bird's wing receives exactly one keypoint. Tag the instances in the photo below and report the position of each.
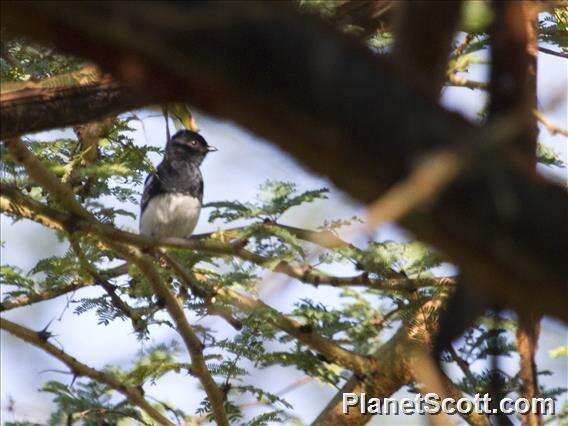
(151, 188)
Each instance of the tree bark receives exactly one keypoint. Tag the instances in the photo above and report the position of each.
(527, 344)
(336, 107)
(425, 32)
(33, 108)
(514, 47)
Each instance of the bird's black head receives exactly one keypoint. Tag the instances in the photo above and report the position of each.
(188, 145)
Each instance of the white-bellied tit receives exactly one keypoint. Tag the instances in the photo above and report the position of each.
(172, 197)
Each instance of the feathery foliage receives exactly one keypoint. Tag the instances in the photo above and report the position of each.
(361, 317)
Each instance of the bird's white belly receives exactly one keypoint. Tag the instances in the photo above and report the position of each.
(170, 215)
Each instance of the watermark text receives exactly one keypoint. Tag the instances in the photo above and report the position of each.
(432, 403)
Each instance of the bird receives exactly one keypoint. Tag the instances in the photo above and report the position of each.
(172, 197)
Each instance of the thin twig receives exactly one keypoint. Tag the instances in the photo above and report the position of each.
(328, 348)
(110, 289)
(551, 127)
(456, 80)
(52, 293)
(462, 364)
(80, 369)
(63, 194)
(14, 202)
(460, 48)
(553, 52)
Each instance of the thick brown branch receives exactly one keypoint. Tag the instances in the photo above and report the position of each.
(400, 359)
(80, 369)
(424, 35)
(527, 344)
(32, 107)
(333, 415)
(512, 85)
(348, 111)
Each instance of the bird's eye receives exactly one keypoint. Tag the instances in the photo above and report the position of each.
(193, 143)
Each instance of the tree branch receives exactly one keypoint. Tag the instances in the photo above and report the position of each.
(37, 172)
(551, 127)
(462, 364)
(333, 415)
(194, 345)
(89, 136)
(110, 289)
(234, 298)
(15, 203)
(456, 80)
(63, 195)
(244, 303)
(333, 353)
(400, 358)
(25, 300)
(513, 86)
(35, 338)
(51, 293)
(67, 100)
(527, 343)
(553, 52)
(424, 35)
(511, 232)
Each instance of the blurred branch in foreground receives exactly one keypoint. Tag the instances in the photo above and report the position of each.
(532, 256)
(368, 120)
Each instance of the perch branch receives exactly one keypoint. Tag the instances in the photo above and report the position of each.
(63, 195)
(15, 203)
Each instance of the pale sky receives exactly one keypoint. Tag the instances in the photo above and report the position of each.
(242, 163)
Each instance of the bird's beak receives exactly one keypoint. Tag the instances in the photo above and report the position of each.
(211, 149)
